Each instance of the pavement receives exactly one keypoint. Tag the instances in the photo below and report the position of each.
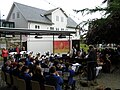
(1, 63)
(105, 80)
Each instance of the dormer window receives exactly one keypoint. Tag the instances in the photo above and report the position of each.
(57, 18)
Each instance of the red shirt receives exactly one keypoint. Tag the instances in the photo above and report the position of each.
(17, 50)
(4, 53)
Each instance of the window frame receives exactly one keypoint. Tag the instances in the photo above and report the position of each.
(57, 18)
(18, 14)
(62, 19)
(13, 16)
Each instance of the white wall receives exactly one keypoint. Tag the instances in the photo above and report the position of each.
(59, 24)
(75, 36)
(44, 44)
(40, 46)
(31, 25)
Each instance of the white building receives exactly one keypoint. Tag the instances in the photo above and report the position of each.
(33, 18)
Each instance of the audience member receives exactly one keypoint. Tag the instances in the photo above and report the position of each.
(54, 79)
(17, 71)
(71, 81)
(26, 76)
(38, 76)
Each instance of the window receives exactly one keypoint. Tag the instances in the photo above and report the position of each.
(35, 26)
(51, 28)
(11, 25)
(57, 29)
(62, 19)
(57, 18)
(7, 24)
(18, 14)
(38, 27)
(13, 16)
(47, 27)
(62, 29)
(66, 29)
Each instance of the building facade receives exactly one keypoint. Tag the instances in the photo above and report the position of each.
(34, 18)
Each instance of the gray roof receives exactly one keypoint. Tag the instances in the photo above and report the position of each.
(50, 11)
(32, 13)
(71, 23)
(39, 15)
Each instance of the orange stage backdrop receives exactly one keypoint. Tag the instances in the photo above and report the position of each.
(61, 46)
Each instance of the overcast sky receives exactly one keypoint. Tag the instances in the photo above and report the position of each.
(66, 5)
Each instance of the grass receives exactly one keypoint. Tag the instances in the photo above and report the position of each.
(1, 58)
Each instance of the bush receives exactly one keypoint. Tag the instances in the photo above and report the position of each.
(85, 47)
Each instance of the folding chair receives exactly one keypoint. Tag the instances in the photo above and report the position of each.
(8, 79)
(15, 82)
(65, 78)
(35, 85)
(49, 87)
(21, 84)
(3, 80)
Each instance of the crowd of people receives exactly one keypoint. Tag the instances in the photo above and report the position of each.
(29, 67)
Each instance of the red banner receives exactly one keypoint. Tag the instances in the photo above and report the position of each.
(61, 46)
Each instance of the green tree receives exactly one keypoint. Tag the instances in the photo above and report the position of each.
(104, 29)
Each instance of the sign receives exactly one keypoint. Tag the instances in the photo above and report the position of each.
(61, 46)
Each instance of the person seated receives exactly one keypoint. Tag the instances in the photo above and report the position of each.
(106, 64)
(57, 65)
(6, 67)
(26, 76)
(45, 64)
(28, 60)
(16, 72)
(38, 76)
(71, 81)
(54, 79)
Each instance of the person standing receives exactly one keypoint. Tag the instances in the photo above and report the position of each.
(4, 54)
(11, 49)
(91, 64)
(17, 49)
(74, 52)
